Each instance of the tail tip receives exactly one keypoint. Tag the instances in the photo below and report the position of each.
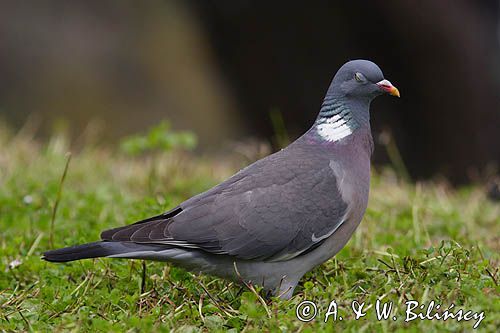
(85, 251)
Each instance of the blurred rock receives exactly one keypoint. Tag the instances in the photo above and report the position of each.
(126, 64)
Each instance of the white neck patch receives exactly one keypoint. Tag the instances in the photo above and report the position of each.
(334, 128)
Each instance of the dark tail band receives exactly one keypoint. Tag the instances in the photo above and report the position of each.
(90, 250)
(101, 249)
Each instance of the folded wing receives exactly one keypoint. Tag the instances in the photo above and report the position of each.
(275, 209)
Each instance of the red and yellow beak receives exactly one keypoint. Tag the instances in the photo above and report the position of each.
(387, 86)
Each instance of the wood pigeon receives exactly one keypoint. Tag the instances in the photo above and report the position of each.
(281, 216)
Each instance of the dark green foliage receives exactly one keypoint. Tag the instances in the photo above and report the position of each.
(159, 138)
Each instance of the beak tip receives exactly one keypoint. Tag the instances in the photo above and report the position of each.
(387, 86)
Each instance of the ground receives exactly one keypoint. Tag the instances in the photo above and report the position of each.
(423, 242)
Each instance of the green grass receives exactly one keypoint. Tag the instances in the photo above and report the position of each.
(418, 242)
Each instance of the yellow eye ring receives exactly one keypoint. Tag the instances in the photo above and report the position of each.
(359, 77)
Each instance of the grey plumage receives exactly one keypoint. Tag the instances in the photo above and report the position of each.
(279, 217)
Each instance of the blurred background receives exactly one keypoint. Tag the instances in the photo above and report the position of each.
(230, 70)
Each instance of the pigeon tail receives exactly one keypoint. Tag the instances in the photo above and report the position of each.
(85, 251)
(96, 250)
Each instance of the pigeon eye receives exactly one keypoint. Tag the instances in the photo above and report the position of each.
(359, 77)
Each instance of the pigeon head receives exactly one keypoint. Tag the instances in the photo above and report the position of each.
(346, 106)
(361, 79)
